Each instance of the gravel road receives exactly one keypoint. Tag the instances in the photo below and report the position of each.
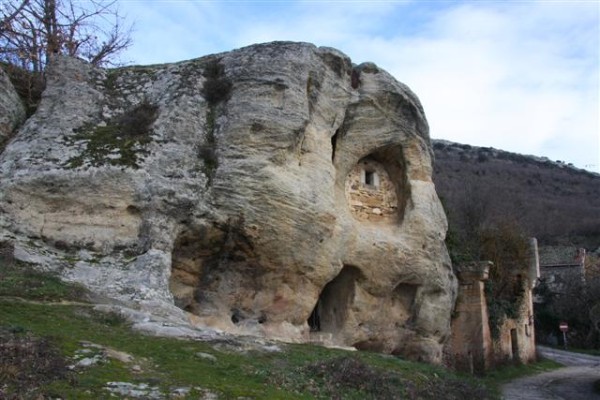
(574, 382)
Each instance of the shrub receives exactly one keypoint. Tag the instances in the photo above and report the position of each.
(482, 157)
(138, 120)
(217, 87)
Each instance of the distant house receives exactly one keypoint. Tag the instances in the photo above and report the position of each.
(560, 265)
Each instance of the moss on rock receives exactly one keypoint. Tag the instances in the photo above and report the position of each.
(121, 142)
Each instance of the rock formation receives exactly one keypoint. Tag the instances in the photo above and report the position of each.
(12, 112)
(274, 190)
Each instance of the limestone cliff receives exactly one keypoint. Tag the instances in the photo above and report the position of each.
(274, 190)
(12, 112)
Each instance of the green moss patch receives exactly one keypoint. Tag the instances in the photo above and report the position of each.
(121, 142)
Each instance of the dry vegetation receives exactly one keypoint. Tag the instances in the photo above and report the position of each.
(552, 201)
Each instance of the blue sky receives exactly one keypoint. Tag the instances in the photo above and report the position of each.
(521, 76)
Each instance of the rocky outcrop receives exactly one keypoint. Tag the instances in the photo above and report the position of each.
(12, 112)
(218, 186)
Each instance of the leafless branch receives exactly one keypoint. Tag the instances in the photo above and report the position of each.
(32, 31)
(7, 19)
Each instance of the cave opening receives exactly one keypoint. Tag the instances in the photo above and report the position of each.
(186, 269)
(193, 250)
(331, 310)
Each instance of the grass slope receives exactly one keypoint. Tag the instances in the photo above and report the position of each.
(46, 326)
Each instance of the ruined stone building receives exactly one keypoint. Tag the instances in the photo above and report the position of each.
(475, 346)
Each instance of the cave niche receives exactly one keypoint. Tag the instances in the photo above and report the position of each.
(331, 310)
(192, 250)
(376, 188)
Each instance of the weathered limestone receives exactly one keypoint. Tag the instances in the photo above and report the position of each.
(12, 112)
(221, 185)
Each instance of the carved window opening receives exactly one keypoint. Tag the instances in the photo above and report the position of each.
(377, 187)
(331, 309)
(370, 179)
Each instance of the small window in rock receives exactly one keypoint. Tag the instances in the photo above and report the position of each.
(371, 179)
(371, 193)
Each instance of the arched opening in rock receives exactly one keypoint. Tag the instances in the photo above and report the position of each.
(376, 188)
(331, 310)
(186, 269)
(403, 299)
(192, 251)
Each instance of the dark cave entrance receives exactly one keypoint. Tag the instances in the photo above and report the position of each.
(331, 310)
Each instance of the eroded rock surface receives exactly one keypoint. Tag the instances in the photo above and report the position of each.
(224, 185)
(12, 112)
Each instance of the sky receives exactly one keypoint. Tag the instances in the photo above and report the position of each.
(521, 76)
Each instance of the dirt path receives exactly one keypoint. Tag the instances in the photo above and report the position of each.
(574, 382)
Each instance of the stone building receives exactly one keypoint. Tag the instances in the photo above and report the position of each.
(474, 345)
(560, 265)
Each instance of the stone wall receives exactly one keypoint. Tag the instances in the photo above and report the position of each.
(516, 339)
(470, 343)
(472, 346)
(370, 192)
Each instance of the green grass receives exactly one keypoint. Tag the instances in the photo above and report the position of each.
(20, 280)
(297, 372)
(510, 372)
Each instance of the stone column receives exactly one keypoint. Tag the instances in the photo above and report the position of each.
(471, 341)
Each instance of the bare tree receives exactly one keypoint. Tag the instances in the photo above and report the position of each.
(32, 31)
(9, 13)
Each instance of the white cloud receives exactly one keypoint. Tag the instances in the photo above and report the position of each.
(520, 76)
(507, 78)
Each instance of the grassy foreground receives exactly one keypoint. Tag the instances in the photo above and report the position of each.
(54, 345)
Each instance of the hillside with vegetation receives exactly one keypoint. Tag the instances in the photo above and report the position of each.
(550, 200)
(55, 343)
